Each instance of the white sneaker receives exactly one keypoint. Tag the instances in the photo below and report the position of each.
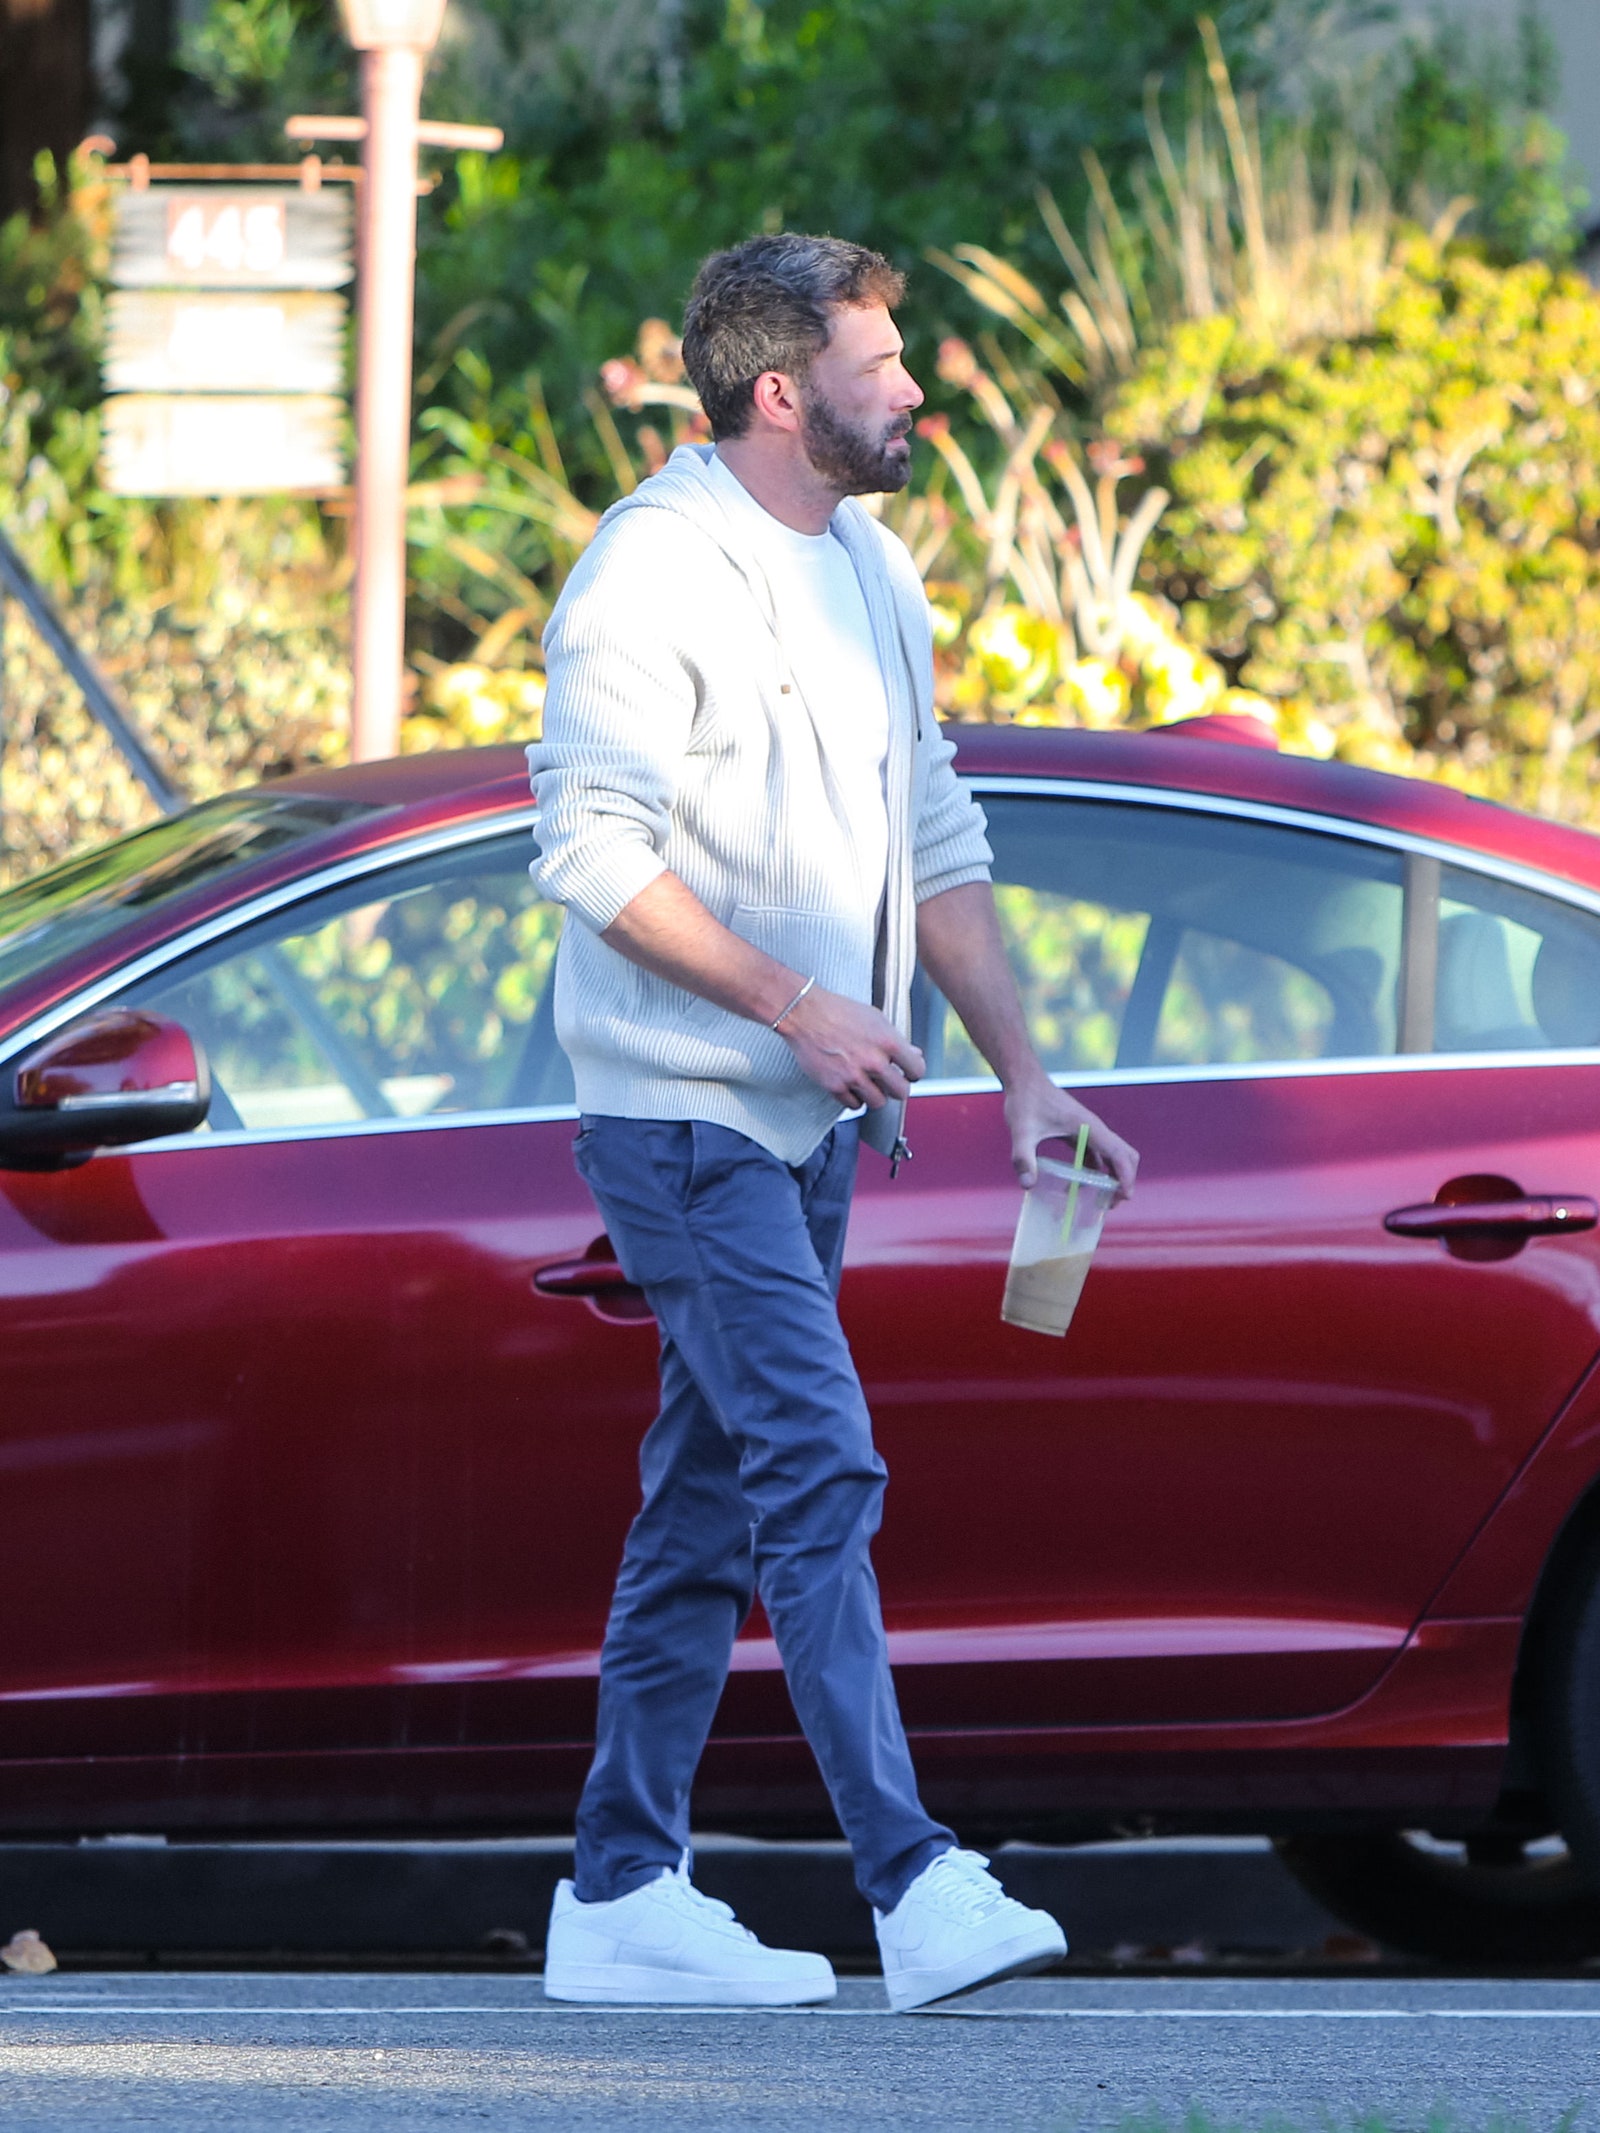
(666, 1945)
(956, 1928)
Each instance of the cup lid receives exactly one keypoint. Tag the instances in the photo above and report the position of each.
(1069, 1173)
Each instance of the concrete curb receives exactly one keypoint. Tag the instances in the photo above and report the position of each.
(144, 1899)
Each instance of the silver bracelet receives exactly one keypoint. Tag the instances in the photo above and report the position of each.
(793, 1004)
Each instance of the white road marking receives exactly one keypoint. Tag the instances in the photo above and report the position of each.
(65, 2010)
(1272, 2014)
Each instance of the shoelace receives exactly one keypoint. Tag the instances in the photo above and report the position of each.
(679, 1889)
(963, 1888)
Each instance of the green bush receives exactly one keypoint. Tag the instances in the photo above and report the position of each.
(1468, 118)
(1376, 454)
(891, 121)
(1398, 533)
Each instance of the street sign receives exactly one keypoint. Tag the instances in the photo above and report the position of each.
(222, 444)
(225, 237)
(225, 344)
(162, 340)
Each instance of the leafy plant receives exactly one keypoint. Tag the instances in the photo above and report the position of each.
(1379, 445)
(1226, 226)
(1055, 631)
(1398, 535)
(1466, 119)
(496, 526)
(244, 65)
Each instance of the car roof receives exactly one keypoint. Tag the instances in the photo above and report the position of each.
(470, 780)
(407, 796)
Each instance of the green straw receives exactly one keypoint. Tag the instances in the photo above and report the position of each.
(1072, 1196)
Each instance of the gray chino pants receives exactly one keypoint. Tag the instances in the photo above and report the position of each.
(759, 1474)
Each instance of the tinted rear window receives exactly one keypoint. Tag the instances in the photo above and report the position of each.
(1151, 936)
(70, 907)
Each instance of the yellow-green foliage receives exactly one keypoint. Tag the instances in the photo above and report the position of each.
(1397, 536)
(230, 672)
(469, 706)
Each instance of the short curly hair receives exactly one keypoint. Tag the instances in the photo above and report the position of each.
(764, 305)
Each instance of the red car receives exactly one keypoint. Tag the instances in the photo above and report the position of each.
(322, 1393)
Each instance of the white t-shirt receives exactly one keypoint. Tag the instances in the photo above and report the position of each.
(827, 639)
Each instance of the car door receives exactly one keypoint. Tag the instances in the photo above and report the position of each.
(295, 1455)
(1275, 1422)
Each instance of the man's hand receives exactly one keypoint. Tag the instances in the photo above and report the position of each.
(1036, 1110)
(852, 1051)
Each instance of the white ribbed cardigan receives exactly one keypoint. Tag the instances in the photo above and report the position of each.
(676, 737)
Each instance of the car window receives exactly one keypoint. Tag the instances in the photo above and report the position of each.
(1226, 1001)
(1149, 936)
(71, 906)
(419, 992)
(1516, 971)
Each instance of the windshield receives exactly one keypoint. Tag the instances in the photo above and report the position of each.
(73, 905)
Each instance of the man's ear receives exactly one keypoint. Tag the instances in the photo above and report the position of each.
(777, 403)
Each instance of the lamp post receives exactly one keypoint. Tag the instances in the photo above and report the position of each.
(394, 38)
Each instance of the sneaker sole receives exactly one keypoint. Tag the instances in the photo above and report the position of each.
(1019, 1957)
(637, 1985)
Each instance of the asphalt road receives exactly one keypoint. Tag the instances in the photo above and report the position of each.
(358, 2052)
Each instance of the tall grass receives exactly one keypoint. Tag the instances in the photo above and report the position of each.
(1224, 224)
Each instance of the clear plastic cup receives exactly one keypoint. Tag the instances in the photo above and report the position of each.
(1051, 1253)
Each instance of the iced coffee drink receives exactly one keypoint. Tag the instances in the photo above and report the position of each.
(1057, 1232)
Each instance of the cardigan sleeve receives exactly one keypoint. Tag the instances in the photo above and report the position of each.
(619, 708)
(950, 844)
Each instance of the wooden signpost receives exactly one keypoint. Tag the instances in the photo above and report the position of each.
(224, 357)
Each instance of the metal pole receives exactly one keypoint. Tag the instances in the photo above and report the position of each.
(391, 90)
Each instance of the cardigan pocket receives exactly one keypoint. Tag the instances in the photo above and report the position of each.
(834, 947)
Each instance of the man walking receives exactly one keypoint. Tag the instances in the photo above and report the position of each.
(747, 806)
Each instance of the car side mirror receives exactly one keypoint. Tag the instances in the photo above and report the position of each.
(118, 1076)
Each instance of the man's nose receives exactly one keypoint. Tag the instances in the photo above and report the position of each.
(909, 393)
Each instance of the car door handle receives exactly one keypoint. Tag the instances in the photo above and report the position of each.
(598, 1281)
(581, 1277)
(1539, 1215)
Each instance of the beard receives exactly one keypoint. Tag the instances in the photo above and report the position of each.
(855, 461)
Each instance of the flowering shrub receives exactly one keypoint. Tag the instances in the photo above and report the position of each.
(1055, 633)
(1011, 665)
(470, 706)
(1377, 518)
(1269, 453)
